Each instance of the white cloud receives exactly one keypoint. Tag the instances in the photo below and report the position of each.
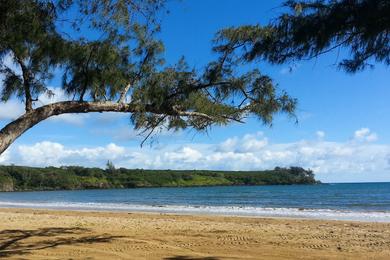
(228, 145)
(4, 157)
(320, 134)
(249, 143)
(252, 143)
(11, 110)
(185, 155)
(44, 153)
(51, 153)
(250, 152)
(365, 134)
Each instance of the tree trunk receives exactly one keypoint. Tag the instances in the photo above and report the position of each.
(16, 128)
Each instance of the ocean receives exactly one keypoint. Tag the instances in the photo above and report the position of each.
(341, 201)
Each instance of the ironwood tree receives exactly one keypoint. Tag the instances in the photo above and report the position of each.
(110, 59)
(307, 29)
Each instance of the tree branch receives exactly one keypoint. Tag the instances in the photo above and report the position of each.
(16, 128)
(152, 128)
(122, 98)
(205, 116)
(26, 84)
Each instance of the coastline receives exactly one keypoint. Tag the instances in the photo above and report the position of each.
(218, 211)
(53, 234)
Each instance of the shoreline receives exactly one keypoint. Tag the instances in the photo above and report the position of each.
(53, 234)
(218, 211)
(179, 214)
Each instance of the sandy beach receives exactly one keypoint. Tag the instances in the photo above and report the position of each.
(46, 234)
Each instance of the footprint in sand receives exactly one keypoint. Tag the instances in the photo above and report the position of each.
(315, 246)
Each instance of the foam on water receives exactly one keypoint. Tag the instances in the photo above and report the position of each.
(372, 216)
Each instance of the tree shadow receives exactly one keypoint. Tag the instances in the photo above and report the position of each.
(15, 241)
(183, 257)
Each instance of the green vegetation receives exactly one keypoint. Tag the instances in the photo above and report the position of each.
(20, 178)
(306, 29)
(110, 59)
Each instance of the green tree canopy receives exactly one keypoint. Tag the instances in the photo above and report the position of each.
(120, 67)
(311, 28)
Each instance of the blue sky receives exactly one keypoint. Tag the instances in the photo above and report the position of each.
(342, 133)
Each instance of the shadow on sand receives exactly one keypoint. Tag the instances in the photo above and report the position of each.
(182, 257)
(18, 242)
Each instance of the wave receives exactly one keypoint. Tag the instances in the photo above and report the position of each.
(328, 214)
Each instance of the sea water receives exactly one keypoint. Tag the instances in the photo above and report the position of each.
(342, 201)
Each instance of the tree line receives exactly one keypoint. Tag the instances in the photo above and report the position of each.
(22, 178)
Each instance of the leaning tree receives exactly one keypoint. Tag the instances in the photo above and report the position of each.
(110, 60)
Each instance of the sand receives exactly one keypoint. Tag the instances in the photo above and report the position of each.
(46, 234)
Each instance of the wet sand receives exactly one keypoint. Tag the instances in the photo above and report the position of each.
(46, 234)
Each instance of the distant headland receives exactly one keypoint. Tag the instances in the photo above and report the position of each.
(21, 178)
